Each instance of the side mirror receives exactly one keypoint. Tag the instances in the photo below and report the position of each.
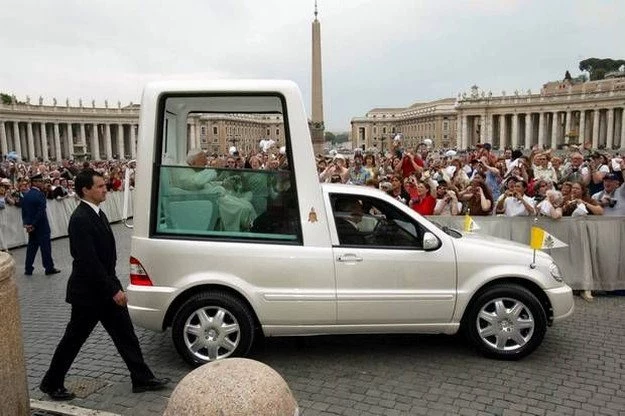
(430, 242)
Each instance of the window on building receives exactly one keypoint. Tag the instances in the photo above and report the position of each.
(215, 130)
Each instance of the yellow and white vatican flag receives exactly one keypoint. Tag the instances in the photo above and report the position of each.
(469, 224)
(541, 239)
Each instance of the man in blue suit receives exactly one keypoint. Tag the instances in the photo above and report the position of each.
(35, 220)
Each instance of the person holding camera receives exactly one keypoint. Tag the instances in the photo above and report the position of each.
(477, 197)
(446, 200)
(516, 203)
(612, 198)
(579, 203)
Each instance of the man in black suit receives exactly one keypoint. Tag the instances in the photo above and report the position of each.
(96, 294)
(35, 220)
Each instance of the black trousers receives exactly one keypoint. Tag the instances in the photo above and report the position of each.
(38, 240)
(116, 321)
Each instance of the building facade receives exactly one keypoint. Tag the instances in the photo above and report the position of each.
(217, 133)
(564, 112)
(435, 120)
(52, 132)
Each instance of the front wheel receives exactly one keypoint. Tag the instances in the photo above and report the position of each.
(211, 326)
(505, 322)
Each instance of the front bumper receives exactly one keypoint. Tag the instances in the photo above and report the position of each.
(562, 303)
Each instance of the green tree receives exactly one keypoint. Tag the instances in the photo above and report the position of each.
(5, 98)
(598, 67)
(329, 137)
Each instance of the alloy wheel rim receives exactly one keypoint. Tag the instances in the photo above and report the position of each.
(505, 324)
(211, 333)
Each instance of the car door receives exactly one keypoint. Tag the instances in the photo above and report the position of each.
(383, 274)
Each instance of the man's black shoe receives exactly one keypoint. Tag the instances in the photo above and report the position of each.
(59, 393)
(150, 385)
(28, 273)
(52, 271)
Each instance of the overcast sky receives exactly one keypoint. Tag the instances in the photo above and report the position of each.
(376, 53)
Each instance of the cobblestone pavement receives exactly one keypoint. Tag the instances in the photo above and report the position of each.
(579, 369)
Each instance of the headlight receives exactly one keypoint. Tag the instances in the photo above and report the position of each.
(555, 272)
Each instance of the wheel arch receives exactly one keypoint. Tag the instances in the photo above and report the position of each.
(525, 283)
(204, 288)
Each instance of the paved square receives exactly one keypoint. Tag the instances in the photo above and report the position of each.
(578, 370)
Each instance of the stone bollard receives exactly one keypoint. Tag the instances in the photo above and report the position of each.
(13, 384)
(234, 386)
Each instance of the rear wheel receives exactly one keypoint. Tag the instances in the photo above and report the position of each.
(211, 326)
(505, 322)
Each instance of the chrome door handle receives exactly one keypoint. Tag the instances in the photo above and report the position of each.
(349, 258)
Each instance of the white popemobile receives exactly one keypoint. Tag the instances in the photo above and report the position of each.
(308, 258)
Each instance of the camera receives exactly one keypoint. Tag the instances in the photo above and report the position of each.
(612, 202)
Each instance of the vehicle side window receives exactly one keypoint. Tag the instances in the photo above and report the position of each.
(245, 191)
(373, 223)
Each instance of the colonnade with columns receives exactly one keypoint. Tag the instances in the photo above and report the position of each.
(58, 140)
(603, 127)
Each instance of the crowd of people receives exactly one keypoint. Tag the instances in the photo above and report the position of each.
(58, 178)
(479, 181)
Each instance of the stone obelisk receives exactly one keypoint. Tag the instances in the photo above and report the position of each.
(317, 127)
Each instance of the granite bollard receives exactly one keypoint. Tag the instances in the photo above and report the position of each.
(234, 386)
(13, 384)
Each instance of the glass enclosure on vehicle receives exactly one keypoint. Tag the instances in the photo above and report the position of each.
(223, 169)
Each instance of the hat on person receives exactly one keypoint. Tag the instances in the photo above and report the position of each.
(36, 177)
(611, 177)
(487, 146)
(339, 156)
(5, 182)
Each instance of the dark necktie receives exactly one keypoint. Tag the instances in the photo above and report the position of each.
(105, 220)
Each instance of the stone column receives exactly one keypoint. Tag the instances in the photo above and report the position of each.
(609, 139)
(31, 141)
(483, 129)
(120, 141)
(57, 143)
(528, 130)
(107, 143)
(491, 126)
(95, 143)
(83, 136)
(541, 130)
(568, 126)
(554, 130)
(622, 143)
(465, 132)
(44, 141)
(515, 131)
(69, 145)
(16, 139)
(192, 133)
(13, 382)
(502, 131)
(133, 142)
(595, 129)
(4, 146)
(458, 131)
(581, 135)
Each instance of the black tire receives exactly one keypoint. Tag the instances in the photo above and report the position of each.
(227, 329)
(508, 336)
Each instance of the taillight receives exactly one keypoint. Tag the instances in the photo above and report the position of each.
(138, 275)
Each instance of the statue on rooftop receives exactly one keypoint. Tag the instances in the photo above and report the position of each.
(40, 100)
(80, 102)
(54, 101)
